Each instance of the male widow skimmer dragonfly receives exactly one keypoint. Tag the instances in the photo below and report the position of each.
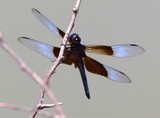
(75, 53)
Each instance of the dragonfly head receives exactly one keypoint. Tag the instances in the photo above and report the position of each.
(74, 39)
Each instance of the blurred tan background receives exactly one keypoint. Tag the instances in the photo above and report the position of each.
(107, 22)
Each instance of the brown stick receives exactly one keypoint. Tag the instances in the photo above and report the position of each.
(35, 77)
(24, 108)
(31, 73)
(58, 60)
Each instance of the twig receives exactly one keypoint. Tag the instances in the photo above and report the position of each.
(49, 105)
(35, 77)
(24, 108)
(31, 73)
(58, 60)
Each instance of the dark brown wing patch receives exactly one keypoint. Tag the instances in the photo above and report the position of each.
(99, 49)
(56, 51)
(61, 32)
(71, 59)
(94, 66)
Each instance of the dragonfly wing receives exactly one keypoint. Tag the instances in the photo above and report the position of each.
(46, 22)
(84, 79)
(123, 50)
(94, 66)
(42, 48)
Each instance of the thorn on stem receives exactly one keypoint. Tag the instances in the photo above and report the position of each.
(75, 10)
(1, 39)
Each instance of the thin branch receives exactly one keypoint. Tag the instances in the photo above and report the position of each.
(24, 108)
(58, 60)
(31, 73)
(34, 76)
(49, 105)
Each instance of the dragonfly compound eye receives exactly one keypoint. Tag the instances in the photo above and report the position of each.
(75, 39)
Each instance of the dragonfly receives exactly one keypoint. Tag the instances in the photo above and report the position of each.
(75, 53)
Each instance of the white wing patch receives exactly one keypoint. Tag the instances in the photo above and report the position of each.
(40, 47)
(127, 50)
(45, 21)
(116, 75)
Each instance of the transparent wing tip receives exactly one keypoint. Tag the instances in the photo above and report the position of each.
(116, 75)
(127, 50)
(37, 46)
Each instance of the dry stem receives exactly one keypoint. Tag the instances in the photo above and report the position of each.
(24, 108)
(36, 78)
(58, 60)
